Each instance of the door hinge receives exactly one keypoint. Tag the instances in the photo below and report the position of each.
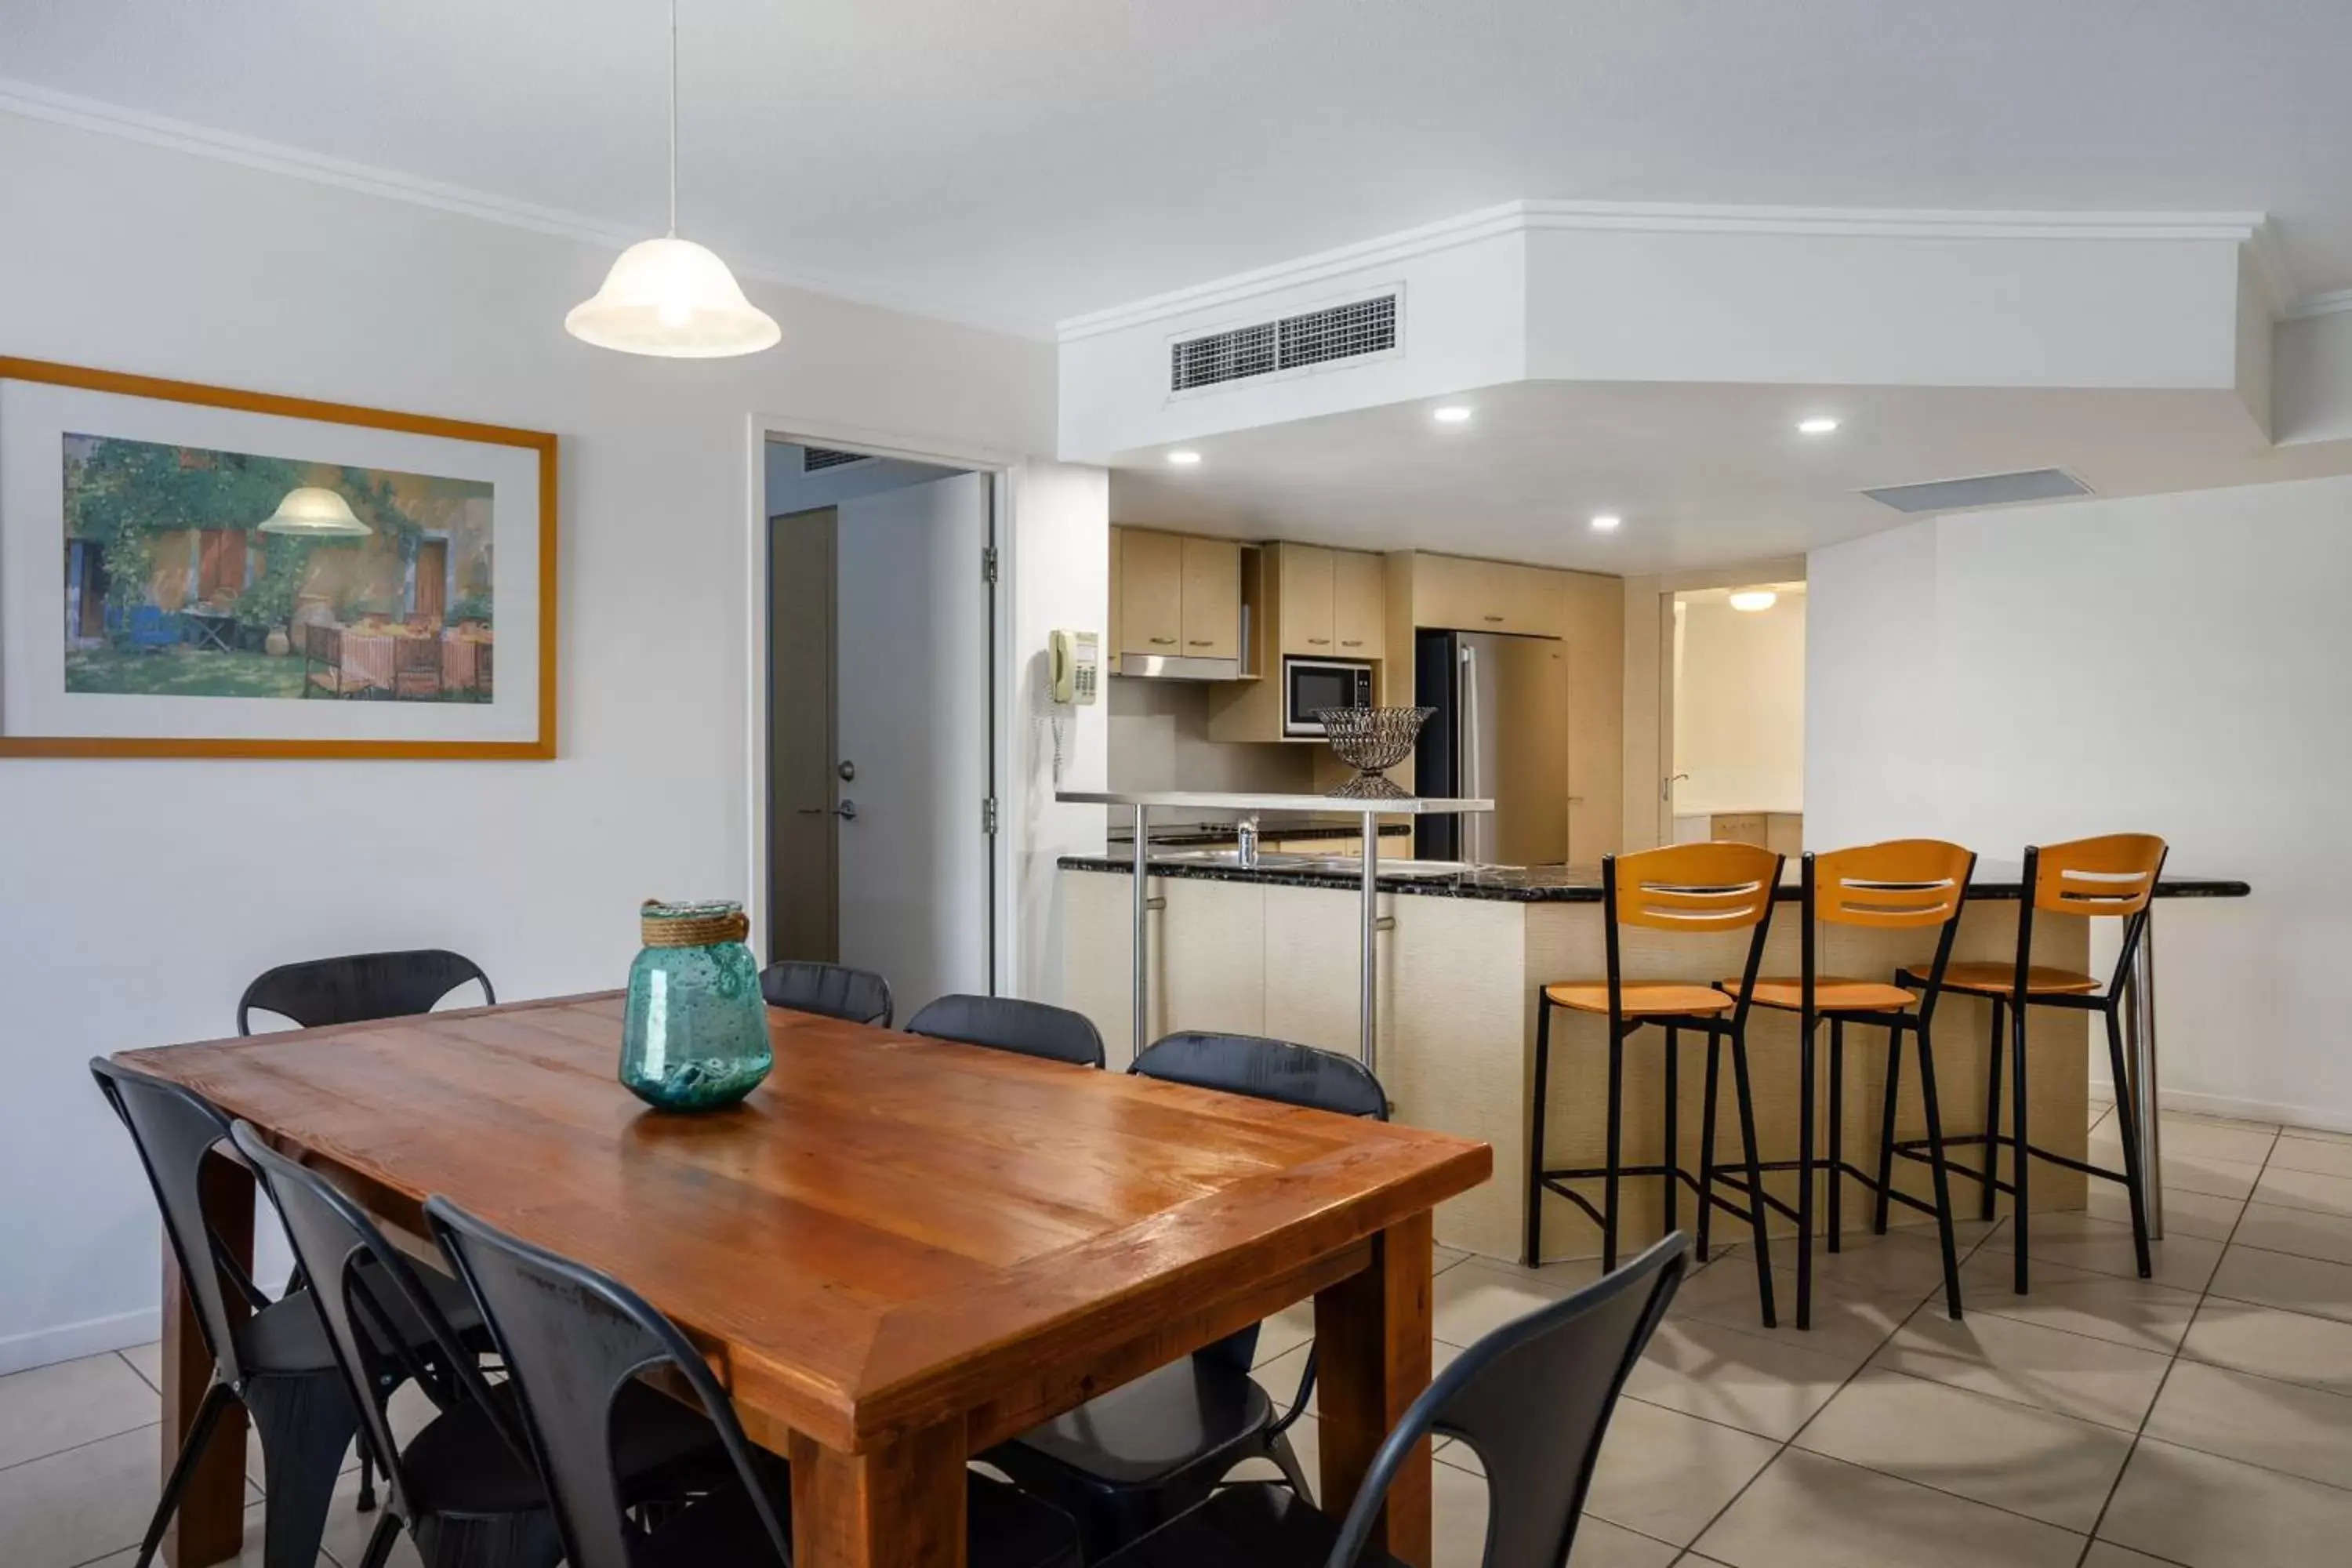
(988, 563)
(988, 816)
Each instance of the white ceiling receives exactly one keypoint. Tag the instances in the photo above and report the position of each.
(1702, 475)
(1016, 162)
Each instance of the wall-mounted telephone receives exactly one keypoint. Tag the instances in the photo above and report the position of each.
(1077, 660)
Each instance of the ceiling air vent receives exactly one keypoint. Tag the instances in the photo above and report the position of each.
(1985, 489)
(816, 459)
(1351, 331)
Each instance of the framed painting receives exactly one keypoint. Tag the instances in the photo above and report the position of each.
(189, 570)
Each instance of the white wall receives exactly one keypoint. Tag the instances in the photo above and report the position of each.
(2169, 664)
(790, 490)
(1740, 706)
(1160, 740)
(137, 897)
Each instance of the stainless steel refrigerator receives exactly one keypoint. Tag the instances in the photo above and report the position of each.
(1500, 733)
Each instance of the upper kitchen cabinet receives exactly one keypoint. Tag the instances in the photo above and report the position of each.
(1176, 596)
(1458, 594)
(1328, 604)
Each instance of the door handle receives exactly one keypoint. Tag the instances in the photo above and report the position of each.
(1204, 642)
(1165, 642)
(1496, 620)
(846, 811)
(1352, 642)
(1319, 642)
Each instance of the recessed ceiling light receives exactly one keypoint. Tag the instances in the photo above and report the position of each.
(1820, 424)
(1452, 414)
(1754, 599)
(1605, 520)
(1184, 459)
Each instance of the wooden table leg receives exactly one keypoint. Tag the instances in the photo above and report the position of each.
(901, 1506)
(209, 1525)
(1372, 1339)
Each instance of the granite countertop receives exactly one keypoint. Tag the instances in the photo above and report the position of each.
(1194, 835)
(1576, 884)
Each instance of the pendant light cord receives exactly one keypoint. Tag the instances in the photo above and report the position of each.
(673, 117)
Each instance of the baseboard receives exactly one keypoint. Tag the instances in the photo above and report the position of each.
(2325, 1121)
(72, 1340)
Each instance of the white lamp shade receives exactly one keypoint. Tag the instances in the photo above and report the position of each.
(672, 297)
(1754, 599)
(315, 512)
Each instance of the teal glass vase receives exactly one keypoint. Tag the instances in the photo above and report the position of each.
(696, 1036)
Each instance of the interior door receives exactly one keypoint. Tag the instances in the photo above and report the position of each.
(433, 579)
(802, 829)
(912, 717)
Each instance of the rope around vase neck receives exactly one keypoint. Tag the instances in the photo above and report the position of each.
(689, 931)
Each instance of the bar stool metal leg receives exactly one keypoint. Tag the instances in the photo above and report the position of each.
(1887, 1128)
(1755, 1179)
(1609, 1181)
(1837, 1131)
(2023, 1158)
(1808, 1090)
(1936, 1163)
(2135, 1176)
(1707, 1145)
(1673, 1157)
(1535, 1133)
(1995, 1048)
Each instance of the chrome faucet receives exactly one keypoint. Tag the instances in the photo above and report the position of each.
(1246, 852)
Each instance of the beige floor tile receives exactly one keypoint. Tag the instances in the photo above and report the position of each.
(2305, 1432)
(1846, 1325)
(2035, 1462)
(248, 1558)
(2290, 1346)
(85, 1502)
(2106, 1554)
(1754, 1382)
(1900, 1263)
(70, 1403)
(2211, 1512)
(2277, 1279)
(2089, 1379)
(1811, 1512)
(1601, 1544)
(2298, 1231)
(1279, 1377)
(1664, 1474)
(2316, 1136)
(1445, 1257)
(348, 1529)
(1286, 1331)
(2123, 1311)
(2184, 1172)
(2323, 1158)
(1458, 1523)
(147, 1360)
(1474, 1298)
(2205, 1138)
(2079, 1240)
(2305, 1190)
(2185, 1213)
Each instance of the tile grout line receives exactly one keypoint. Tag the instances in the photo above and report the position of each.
(77, 1448)
(2173, 1361)
(141, 1376)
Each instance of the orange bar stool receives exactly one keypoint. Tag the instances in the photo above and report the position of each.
(1908, 884)
(2110, 878)
(1685, 889)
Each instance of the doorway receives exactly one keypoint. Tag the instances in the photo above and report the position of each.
(881, 718)
(1736, 715)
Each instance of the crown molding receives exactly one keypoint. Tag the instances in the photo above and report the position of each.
(32, 102)
(2249, 229)
(2336, 302)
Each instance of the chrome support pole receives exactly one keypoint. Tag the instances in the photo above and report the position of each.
(1369, 1010)
(2139, 1045)
(1142, 902)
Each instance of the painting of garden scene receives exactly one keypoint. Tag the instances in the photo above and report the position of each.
(193, 573)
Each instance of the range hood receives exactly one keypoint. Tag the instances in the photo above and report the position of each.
(1175, 666)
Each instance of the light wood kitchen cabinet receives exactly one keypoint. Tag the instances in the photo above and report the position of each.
(1359, 604)
(1212, 613)
(1463, 594)
(1781, 832)
(1152, 593)
(1303, 580)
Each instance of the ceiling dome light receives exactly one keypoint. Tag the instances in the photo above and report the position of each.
(314, 511)
(670, 297)
(1186, 459)
(1754, 599)
(1452, 414)
(1820, 424)
(1606, 521)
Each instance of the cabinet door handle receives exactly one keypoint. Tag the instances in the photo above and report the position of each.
(1168, 642)
(1496, 620)
(1319, 642)
(1202, 642)
(1352, 642)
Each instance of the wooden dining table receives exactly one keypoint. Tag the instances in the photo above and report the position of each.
(895, 1254)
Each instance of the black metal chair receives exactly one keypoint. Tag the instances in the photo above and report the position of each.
(2110, 878)
(828, 990)
(1009, 1024)
(464, 1487)
(575, 1342)
(1685, 889)
(360, 986)
(1532, 1400)
(272, 1357)
(1127, 1462)
(1906, 884)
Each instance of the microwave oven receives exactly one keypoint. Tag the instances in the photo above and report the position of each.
(1310, 685)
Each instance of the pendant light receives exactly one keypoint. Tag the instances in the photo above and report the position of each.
(313, 511)
(670, 297)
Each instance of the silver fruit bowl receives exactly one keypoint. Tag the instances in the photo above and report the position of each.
(1372, 741)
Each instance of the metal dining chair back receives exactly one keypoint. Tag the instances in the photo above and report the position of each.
(360, 986)
(828, 990)
(1009, 1023)
(1265, 1069)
